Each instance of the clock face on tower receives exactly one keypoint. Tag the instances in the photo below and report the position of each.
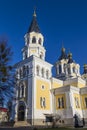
(33, 51)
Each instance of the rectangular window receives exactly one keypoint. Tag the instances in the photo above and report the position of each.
(86, 102)
(43, 102)
(58, 102)
(61, 102)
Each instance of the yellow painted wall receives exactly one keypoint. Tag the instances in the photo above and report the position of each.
(33, 51)
(78, 84)
(75, 95)
(56, 84)
(42, 93)
(60, 96)
(83, 101)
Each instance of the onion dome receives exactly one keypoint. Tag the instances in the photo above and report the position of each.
(70, 60)
(63, 54)
(85, 69)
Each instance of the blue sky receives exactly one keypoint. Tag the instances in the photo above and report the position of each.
(59, 20)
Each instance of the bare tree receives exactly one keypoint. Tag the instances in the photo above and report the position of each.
(7, 79)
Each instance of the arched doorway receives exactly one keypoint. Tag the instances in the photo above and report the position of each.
(21, 113)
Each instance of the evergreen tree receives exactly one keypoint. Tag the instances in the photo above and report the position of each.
(6, 74)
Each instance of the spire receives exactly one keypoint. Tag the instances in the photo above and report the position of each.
(85, 69)
(34, 25)
(63, 54)
(34, 14)
(70, 60)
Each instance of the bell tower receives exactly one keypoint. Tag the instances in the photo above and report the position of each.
(66, 67)
(84, 75)
(61, 65)
(34, 41)
(73, 69)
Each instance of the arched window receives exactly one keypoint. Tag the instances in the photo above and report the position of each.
(22, 90)
(64, 68)
(43, 102)
(27, 70)
(85, 102)
(61, 102)
(41, 55)
(39, 41)
(24, 71)
(42, 71)
(37, 70)
(47, 74)
(69, 72)
(19, 91)
(25, 55)
(21, 73)
(73, 69)
(33, 40)
(59, 69)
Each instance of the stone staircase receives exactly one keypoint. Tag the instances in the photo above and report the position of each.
(21, 123)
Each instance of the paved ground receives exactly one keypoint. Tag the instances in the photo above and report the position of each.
(27, 128)
(19, 128)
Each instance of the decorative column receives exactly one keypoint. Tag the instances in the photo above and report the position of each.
(62, 69)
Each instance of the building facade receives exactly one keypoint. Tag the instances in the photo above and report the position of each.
(42, 99)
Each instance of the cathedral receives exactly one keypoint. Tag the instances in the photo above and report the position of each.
(42, 99)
